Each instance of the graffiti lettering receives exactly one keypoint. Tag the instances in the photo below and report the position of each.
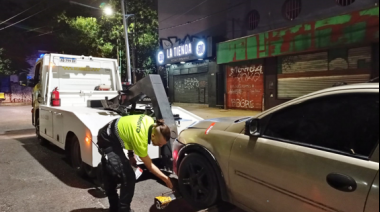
(191, 83)
(245, 87)
(242, 103)
(247, 73)
(179, 87)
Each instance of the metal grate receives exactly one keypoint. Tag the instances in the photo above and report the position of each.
(253, 20)
(292, 9)
(345, 2)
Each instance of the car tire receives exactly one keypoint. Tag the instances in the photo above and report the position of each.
(76, 158)
(198, 182)
(42, 140)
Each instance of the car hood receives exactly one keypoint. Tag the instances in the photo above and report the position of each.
(219, 123)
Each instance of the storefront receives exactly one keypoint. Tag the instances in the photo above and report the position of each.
(299, 60)
(190, 69)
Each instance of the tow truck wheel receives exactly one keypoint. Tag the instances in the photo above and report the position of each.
(197, 182)
(90, 171)
(76, 158)
(42, 141)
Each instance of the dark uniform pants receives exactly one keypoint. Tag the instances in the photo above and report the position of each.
(116, 169)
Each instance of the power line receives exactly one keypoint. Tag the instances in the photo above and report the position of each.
(84, 5)
(23, 19)
(34, 29)
(47, 33)
(200, 19)
(20, 13)
(184, 12)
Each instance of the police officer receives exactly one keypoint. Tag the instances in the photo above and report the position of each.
(132, 133)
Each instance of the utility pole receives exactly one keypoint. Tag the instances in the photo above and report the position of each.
(125, 17)
(134, 53)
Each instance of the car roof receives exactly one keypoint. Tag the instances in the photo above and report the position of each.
(361, 86)
(346, 87)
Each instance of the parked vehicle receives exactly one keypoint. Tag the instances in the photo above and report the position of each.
(316, 153)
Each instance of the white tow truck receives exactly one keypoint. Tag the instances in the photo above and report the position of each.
(69, 98)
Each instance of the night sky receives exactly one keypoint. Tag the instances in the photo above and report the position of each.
(40, 31)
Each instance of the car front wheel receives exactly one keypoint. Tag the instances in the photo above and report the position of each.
(198, 182)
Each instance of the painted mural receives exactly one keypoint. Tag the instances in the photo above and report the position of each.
(355, 28)
(245, 87)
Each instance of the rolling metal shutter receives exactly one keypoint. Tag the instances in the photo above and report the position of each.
(191, 88)
(304, 63)
(290, 88)
(322, 70)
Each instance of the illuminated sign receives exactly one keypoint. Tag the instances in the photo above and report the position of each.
(161, 57)
(174, 50)
(201, 48)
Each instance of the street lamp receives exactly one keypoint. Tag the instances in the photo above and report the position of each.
(108, 11)
(125, 19)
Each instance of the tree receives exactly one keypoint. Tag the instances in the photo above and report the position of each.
(104, 36)
(5, 68)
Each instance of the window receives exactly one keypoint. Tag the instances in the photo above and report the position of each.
(292, 9)
(37, 73)
(253, 20)
(346, 124)
(345, 2)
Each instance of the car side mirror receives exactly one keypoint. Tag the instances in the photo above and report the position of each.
(252, 128)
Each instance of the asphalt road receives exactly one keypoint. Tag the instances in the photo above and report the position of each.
(38, 178)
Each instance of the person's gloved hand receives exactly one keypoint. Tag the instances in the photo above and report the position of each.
(132, 160)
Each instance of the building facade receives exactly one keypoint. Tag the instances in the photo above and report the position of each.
(187, 56)
(274, 51)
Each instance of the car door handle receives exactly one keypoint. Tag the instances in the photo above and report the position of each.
(342, 182)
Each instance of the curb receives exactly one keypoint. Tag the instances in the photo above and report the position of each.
(15, 104)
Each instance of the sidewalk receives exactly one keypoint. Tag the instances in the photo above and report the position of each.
(205, 112)
(15, 118)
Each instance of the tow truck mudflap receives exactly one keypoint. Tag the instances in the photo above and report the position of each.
(152, 87)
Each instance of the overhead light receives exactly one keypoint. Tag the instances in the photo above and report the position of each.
(168, 64)
(108, 11)
(200, 59)
(183, 62)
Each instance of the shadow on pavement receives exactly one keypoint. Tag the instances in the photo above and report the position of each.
(91, 210)
(97, 193)
(18, 132)
(53, 160)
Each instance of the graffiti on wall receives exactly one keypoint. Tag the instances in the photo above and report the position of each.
(188, 84)
(18, 94)
(245, 87)
(355, 28)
